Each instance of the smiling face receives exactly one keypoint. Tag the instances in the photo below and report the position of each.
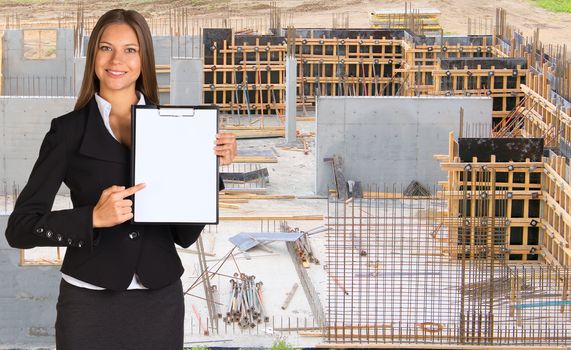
(117, 60)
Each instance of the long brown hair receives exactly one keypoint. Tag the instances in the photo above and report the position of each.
(147, 81)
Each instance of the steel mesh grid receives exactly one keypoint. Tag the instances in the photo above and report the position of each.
(404, 270)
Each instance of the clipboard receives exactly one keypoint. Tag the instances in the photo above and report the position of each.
(172, 153)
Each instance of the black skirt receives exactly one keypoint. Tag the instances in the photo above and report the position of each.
(132, 319)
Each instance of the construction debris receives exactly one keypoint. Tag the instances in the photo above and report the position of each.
(304, 251)
(245, 176)
(421, 20)
(248, 240)
(415, 188)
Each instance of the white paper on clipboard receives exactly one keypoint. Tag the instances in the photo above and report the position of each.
(173, 155)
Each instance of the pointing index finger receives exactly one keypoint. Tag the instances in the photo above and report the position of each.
(132, 190)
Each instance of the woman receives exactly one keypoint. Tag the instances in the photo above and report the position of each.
(120, 285)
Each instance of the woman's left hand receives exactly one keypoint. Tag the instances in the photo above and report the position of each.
(226, 147)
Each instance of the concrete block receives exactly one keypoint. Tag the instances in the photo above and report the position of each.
(186, 81)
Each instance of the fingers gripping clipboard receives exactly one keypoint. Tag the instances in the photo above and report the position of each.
(172, 153)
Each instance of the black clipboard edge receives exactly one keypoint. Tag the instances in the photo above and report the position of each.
(133, 142)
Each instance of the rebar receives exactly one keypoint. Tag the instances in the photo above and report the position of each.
(433, 269)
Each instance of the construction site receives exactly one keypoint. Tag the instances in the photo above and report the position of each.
(396, 185)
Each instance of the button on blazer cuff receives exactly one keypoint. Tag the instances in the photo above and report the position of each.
(70, 228)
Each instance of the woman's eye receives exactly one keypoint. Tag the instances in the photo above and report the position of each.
(105, 48)
(131, 50)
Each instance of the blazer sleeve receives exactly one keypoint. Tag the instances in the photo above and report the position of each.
(33, 223)
(186, 235)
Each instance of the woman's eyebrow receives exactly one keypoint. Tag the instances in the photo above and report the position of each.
(108, 43)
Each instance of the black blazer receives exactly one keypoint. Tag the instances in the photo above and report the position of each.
(79, 151)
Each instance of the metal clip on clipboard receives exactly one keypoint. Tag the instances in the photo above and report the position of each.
(176, 112)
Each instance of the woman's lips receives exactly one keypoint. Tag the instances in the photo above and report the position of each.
(115, 73)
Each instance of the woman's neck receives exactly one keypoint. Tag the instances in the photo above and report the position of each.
(120, 101)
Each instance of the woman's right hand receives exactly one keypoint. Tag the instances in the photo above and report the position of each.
(112, 208)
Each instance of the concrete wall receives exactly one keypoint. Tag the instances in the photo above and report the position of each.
(62, 75)
(162, 46)
(28, 296)
(31, 77)
(186, 46)
(24, 122)
(390, 140)
(78, 71)
(179, 47)
(186, 81)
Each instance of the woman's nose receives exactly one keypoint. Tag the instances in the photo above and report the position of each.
(116, 56)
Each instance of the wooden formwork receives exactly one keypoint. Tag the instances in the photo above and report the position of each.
(347, 66)
(250, 78)
(502, 85)
(244, 78)
(542, 112)
(543, 116)
(338, 66)
(421, 60)
(538, 203)
(556, 220)
(473, 190)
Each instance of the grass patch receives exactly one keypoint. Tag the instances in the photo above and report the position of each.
(554, 5)
(281, 345)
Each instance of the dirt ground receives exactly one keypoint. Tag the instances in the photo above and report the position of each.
(523, 14)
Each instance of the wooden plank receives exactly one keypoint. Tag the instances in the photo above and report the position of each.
(289, 296)
(340, 181)
(256, 196)
(243, 191)
(385, 195)
(255, 159)
(515, 194)
(228, 205)
(457, 166)
(272, 217)
(226, 199)
(255, 134)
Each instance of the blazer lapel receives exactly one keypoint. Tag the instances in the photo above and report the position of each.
(97, 142)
